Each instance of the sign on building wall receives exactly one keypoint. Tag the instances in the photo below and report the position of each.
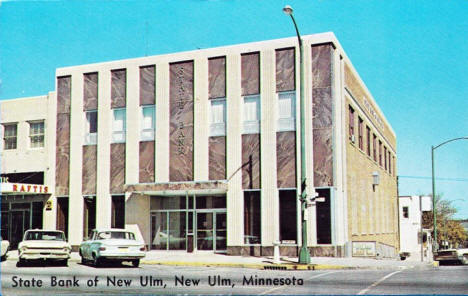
(364, 249)
(19, 188)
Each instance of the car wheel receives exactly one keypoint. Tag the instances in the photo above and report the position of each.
(21, 262)
(64, 262)
(3, 257)
(96, 261)
(136, 262)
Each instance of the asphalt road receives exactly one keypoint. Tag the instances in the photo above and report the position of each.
(155, 279)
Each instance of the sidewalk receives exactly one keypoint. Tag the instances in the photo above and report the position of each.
(206, 258)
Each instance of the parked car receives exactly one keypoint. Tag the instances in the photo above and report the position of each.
(116, 245)
(41, 244)
(452, 255)
(5, 247)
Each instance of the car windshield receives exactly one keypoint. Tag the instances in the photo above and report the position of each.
(45, 235)
(116, 235)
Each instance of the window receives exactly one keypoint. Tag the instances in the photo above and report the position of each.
(286, 111)
(385, 157)
(252, 114)
(380, 153)
(10, 136)
(252, 217)
(405, 212)
(374, 147)
(368, 141)
(147, 122)
(360, 131)
(218, 117)
(119, 126)
(36, 134)
(389, 163)
(288, 216)
(351, 124)
(91, 128)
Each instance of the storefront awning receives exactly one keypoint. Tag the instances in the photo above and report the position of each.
(179, 188)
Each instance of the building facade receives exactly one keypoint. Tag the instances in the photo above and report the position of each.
(200, 150)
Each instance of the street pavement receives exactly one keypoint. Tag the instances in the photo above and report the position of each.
(151, 279)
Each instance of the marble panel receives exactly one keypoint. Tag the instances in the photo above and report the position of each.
(217, 158)
(217, 77)
(251, 161)
(89, 172)
(250, 74)
(178, 186)
(90, 91)
(146, 169)
(63, 94)
(286, 159)
(147, 85)
(118, 88)
(62, 156)
(117, 168)
(285, 69)
(321, 65)
(181, 122)
(322, 114)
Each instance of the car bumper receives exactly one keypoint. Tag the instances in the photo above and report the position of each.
(120, 256)
(44, 255)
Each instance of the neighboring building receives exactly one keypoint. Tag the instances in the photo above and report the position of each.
(200, 150)
(414, 240)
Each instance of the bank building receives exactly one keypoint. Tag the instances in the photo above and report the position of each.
(200, 151)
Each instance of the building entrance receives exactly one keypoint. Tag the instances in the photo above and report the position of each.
(188, 223)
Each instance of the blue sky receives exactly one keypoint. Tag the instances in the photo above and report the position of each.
(412, 55)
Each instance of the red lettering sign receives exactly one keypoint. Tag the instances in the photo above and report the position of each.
(15, 187)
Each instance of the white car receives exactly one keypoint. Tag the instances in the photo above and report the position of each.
(40, 244)
(5, 247)
(116, 245)
(452, 255)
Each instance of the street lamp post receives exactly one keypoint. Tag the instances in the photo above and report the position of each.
(304, 255)
(434, 210)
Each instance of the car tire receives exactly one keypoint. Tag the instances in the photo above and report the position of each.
(136, 262)
(64, 262)
(21, 262)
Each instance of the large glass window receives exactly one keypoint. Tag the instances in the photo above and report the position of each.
(252, 114)
(147, 122)
(252, 218)
(91, 128)
(119, 126)
(288, 216)
(287, 111)
(218, 117)
(36, 134)
(10, 136)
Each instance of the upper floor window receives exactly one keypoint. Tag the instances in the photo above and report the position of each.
(91, 128)
(368, 141)
(286, 111)
(147, 122)
(389, 163)
(360, 133)
(351, 124)
(374, 147)
(218, 117)
(119, 125)
(252, 114)
(10, 136)
(380, 153)
(36, 134)
(405, 212)
(385, 157)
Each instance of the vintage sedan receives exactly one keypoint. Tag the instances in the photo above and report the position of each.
(452, 256)
(5, 247)
(40, 244)
(116, 245)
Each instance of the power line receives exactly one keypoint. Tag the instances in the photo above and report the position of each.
(439, 179)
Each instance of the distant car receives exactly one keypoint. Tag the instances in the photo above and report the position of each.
(452, 255)
(116, 245)
(41, 244)
(5, 247)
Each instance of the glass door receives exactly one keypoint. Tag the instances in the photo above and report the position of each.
(205, 227)
(159, 231)
(220, 232)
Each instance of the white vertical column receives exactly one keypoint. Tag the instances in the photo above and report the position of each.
(133, 126)
(201, 118)
(269, 191)
(50, 217)
(75, 199)
(235, 196)
(162, 123)
(103, 197)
